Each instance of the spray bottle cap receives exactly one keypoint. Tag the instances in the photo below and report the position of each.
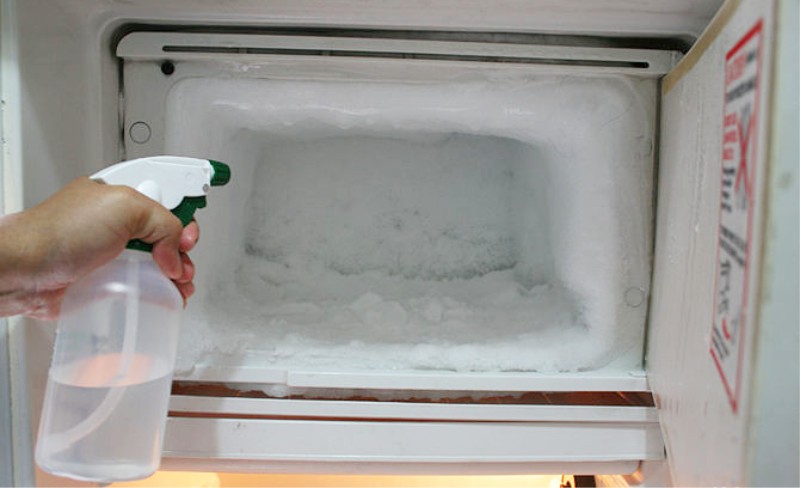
(178, 183)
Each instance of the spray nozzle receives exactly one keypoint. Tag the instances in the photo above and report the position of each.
(178, 183)
(222, 173)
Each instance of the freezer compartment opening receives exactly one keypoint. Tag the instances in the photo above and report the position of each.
(383, 227)
(428, 251)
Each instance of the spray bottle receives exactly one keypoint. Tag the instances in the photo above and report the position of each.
(105, 407)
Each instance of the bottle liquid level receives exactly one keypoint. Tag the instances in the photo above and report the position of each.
(124, 445)
(105, 405)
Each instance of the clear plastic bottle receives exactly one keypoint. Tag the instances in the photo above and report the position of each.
(108, 389)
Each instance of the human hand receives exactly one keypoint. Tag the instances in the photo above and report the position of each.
(86, 224)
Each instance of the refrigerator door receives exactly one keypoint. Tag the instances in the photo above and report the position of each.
(722, 355)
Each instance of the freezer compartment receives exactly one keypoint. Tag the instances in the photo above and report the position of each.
(468, 226)
(408, 214)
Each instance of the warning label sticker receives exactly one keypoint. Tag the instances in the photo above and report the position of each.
(739, 141)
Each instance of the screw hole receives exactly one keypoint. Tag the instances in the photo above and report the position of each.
(634, 296)
(167, 67)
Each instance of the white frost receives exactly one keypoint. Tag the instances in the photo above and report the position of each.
(443, 226)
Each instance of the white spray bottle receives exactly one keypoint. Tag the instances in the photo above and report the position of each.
(105, 407)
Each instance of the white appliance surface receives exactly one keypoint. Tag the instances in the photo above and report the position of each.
(441, 228)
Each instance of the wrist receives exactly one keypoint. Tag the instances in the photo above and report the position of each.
(23, 250)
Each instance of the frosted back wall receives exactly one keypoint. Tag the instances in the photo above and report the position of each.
(471, 226)
(427, 206)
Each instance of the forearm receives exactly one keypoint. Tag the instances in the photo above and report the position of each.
(22, 252)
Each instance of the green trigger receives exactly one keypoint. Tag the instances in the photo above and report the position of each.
(185, 211)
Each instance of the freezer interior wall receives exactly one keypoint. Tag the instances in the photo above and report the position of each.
(477, 226)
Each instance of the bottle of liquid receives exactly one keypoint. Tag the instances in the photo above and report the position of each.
(108, 388)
